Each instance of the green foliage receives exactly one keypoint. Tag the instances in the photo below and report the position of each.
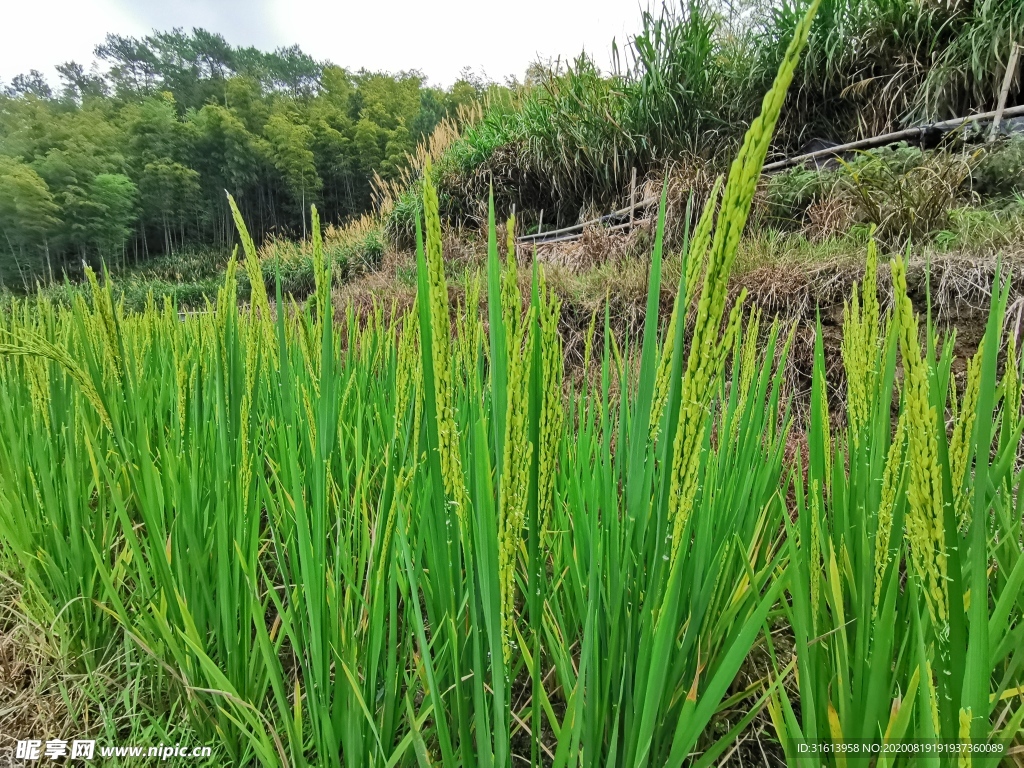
(28, 217)
(184, 117)
(400, 223)
(906, 554)
(573, 138)
(1000, 171)
(788, 195)
(170, 196)
(111, 198)
(293, 263)
(906, 193)
(876, 65)
(365, 251)
(189, 278)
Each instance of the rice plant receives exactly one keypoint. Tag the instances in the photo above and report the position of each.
(906, 554)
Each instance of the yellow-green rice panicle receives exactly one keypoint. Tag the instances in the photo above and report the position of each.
(469, 331)
(925, 524)
(826, 419)
(511, 296)
(105, 325)
(181, 352)
(744, 175)
(411, 327)
(814, 556)
(552, 414)
(964, 757)
(860, 346)
(887, 503)
(253, 352)
(227, 307)
(515, 476)
(748, 350)
(37, 373)
(694, 264)
(699, 243)
(403, 480)
(731, 340)
(259, 300)
(965, 414)
(745, 360)
(661, 378)
(1011, 384)
(407, 373)
(36, 345)
(783, 343)
(869, 293)
(705, 356)
(686, 448)
(321, 274)
(854, 352)
(448, 435)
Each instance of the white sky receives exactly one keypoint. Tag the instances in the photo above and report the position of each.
(439, 37)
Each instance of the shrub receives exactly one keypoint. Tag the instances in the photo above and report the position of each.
(359, 252)
(983, 230)
(786, 197)
(348, 250)
(905, 192)
(1000, 171)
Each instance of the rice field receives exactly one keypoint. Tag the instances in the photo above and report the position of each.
(409, 539)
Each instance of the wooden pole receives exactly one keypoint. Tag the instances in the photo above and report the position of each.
(641, 204)
(874, 141)
(889, 138)
(578, 235)
(632, 197)
(1008, 78)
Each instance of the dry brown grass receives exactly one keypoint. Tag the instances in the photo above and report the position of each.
(34, 695)
(378, 287)
(784, 274)
(829, 216)
(595, 248)
(688, 177)
(356, 229)
(45, 693)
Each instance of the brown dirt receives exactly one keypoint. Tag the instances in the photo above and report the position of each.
(610, 269)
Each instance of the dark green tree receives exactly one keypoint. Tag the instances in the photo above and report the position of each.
(169, 197)
(112, 198)
(28, 217)
(290, 146)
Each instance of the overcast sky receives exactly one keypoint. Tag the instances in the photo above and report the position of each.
(439, 37)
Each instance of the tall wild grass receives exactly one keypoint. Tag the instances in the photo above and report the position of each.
(689, 82)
